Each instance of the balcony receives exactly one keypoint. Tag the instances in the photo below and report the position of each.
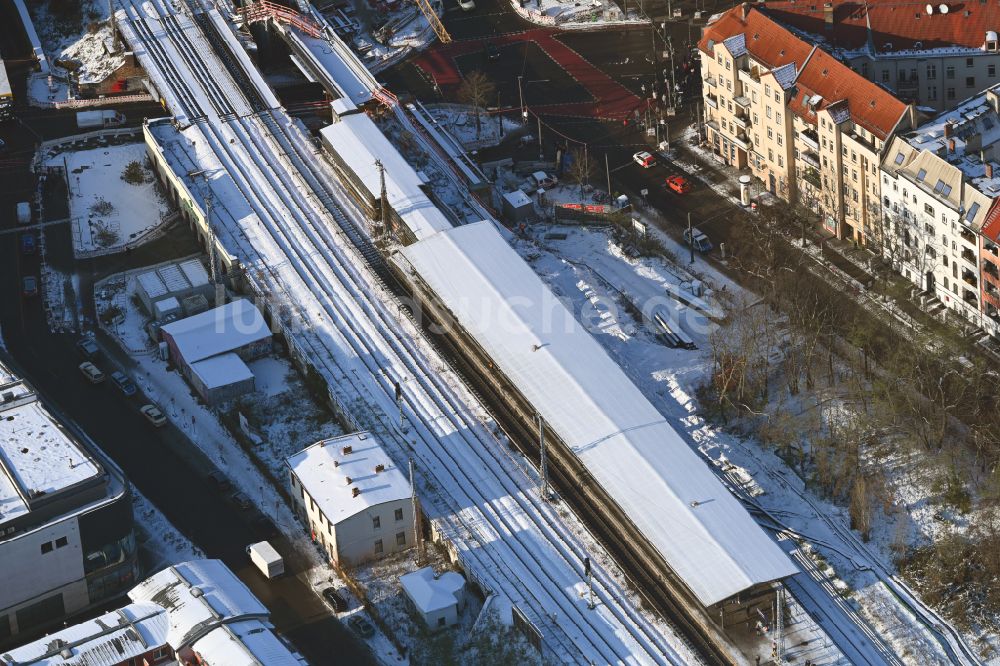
(810, 138)
(742, 101)
(990, 269)
(969, 256)
(971, 298)
(811, 176)
(751, 76)
(712, 100)
(812, 159)
(742, 140)
(991, 289)
(742, 119)
(710, 81)
(969, 278)
(967, 235)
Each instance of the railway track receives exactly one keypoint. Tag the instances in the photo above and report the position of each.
(294, 222)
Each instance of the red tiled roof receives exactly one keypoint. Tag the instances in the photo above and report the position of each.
(871, 106)
(900, 24)
(991, 225)
(767, 41)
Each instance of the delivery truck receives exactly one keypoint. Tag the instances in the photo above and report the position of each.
(99, 119)
(266, 558)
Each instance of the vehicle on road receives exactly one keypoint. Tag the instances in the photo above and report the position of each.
(241, 500)
(91, 372)
(126, 385)
(153, 415)
(467, 5)
(266, 558)
(336, 601)
(99, 119)
(701, 242)
(492, 51)
(88, 349)
(24, 213)
(28, 244)
(679, 184)
(543, 180)
(644, 159)
(29, 286)
(219, 482)
(362, 626)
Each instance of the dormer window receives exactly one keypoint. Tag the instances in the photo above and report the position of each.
(921, 175)
(899, 158)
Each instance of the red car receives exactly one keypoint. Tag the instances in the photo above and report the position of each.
(678, 184)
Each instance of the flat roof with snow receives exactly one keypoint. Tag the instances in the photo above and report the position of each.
(323, 470)
(517, 198)
(217, 331)
(430, 594)
(359, 143)
(700, 529)
(221, 370)
(244, 643)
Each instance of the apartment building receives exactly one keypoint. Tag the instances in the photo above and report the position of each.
(809, 128)
(940, 186)
(931, 54)
(66, 531)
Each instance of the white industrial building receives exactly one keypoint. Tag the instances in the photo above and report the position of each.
(66, 531)
(355, 500)
(697, 526)
(195, 612)
(162, 288)
(211, 349)
(437, 598)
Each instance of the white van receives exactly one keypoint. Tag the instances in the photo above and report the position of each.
(266, 558)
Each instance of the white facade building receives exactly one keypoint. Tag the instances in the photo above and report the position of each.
(354, 499)
(438, 598)
(66, 539)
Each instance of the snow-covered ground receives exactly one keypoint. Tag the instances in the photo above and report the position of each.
(460, 121)
(108, 212)
(585, 266)
(157, 537)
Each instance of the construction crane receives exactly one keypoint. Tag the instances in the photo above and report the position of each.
(434, 20)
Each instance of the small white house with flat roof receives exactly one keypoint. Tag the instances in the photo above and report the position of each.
(439, 598)
(355, 500)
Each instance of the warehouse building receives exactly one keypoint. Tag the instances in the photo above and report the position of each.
(170, 284)
(66, 530)
(354, 498)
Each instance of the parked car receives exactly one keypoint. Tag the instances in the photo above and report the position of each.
(28, 245)
(219, 482)
(29, 286)
(362, 626)
(492, 51)
(543, 180)
(91, 372)
(153, 415)
(701, 242)
(679, 184)
(126, 385)
(88, 348)
(467, 5)
(337, 602)
(644, 159)
(241, 500)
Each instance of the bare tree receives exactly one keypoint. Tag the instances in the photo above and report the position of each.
(580, 167)
(476, 90)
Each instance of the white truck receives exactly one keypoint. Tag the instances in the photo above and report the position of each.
(92, 119)
(23, 212)
(266, 558)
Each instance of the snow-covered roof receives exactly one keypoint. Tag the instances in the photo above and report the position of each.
(173, 278)
(217, 331)
(198, 595)
(517, 198)
(325, 59)
(359, 143)
(38, 458)
(112, 638)
(245, 643)
(431, 594)
(194, 271)
(324, 470)
(221, 370)
(671, 495)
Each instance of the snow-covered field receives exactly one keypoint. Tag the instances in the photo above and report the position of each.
(460, 121)
(109, 213)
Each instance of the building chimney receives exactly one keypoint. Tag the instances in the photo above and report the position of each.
(828, 15)
(379, 468)
(336, 463)
(951, 145)
(948, 127)
(989, 169)
(349, 480)
(745, 10)
(348, 450)
(355, 492)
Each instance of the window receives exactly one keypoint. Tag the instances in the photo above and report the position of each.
(991, 71)
(441, 621)
(780, 140)
(931, 93)
(161, 653)
(400, 538)
(376, 523)
(938, 187)
(770, 133)
(46, 547)
(768, 113)
(378, 545)
(950, 93)
(920, 178)
(899, 158)
(968, 62)
(756, 118)
(753, 96)
(929, 209)
(40, 612)
(931, 72)
(949, 72)
(973, 211)
(781, 161)
(946, 190)
(767, 90)
(777, 118)
(854, 156)
(399, 515)
(61, 542)
(970, 82)
(770, 155)
(885, 76)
